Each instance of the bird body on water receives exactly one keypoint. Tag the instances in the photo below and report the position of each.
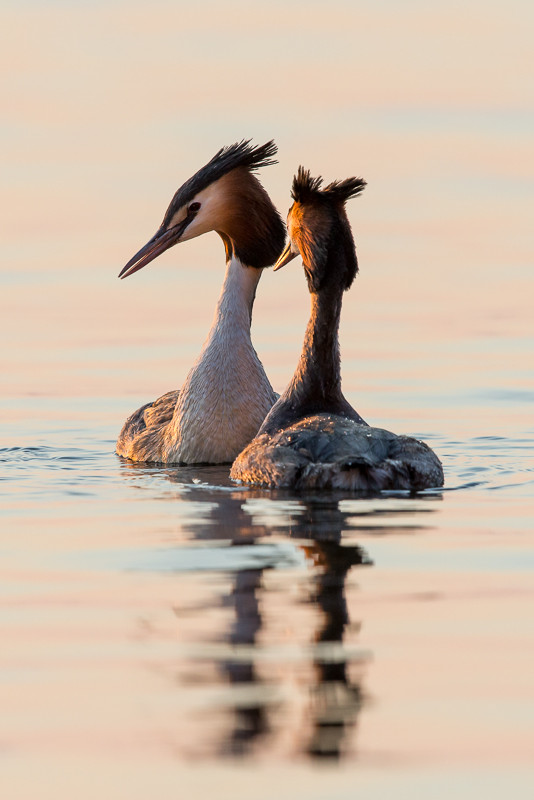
(226, 394)
(313, 438)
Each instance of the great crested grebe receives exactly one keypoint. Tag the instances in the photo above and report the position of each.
(312, 438)
(226, 394)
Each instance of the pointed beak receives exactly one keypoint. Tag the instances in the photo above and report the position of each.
(287, 256)
(161, 241)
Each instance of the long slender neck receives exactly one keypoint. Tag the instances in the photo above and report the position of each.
(253, 235)
(316, 385)
(233, 312)
(317, 378)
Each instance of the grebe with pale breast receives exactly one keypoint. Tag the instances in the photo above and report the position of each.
(226, 395)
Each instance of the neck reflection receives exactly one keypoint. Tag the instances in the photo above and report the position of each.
(258, 710)
(336, 695)
(273, 644)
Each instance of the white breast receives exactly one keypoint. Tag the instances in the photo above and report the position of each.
(227, 394)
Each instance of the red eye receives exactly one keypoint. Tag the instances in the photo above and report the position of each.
(194, 207)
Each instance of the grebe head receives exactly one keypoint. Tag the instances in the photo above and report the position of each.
(224, 196)
(319, 230)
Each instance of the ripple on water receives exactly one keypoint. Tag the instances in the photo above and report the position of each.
(490, 462)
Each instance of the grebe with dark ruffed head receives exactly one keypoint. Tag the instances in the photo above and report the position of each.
(313, 438)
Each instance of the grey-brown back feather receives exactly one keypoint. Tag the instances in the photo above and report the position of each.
(146, 423)
(331, 452)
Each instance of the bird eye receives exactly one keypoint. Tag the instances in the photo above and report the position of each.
(194, 207)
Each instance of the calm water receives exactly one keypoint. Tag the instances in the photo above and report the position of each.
(162, 616)
(164, 632)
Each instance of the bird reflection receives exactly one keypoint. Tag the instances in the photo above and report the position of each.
(260, 711)
(251, 718)
(334, 699)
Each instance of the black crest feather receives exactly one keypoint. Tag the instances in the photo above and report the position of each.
(342, 191)
(239, 154)
(243, 154)
(305, 188)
